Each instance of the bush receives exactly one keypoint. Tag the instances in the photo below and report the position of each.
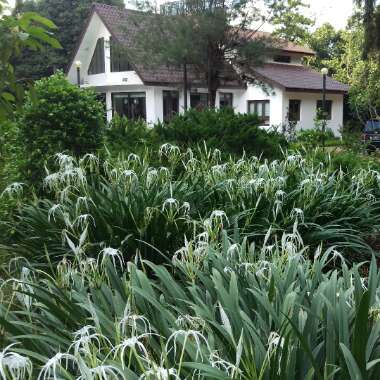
(126, 136)
(312, 138)
(223, 129)
(56, 117)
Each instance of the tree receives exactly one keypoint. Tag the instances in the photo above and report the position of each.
(29, 30)
(289, 21)
(370, 15)
(208, 35)
(69, 16)
(329, 45)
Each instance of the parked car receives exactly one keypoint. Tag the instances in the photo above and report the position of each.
(371, 135)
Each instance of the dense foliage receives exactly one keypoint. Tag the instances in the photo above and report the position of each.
(131, 205)
(222, 129)
(58, 116)
(28, 31)
(241, 294)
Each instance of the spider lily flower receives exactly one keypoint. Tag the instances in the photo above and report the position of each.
(134, 343)
(114, 254)
(52, 211)
(160, 373)
(168, 150)
(51, 369)
(134, 158)
(104, 372)
(170, 203)
(89, 160)
(14, 190)
(85, 338)
(275, 341)
(64, 160)
(134, 321)
(218, 216)
(83, 220)
(297, 213)
(188, 335)
(230, 369)
(14, 366)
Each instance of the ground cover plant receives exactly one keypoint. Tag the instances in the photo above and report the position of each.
(218, 310)
(183, 265)
(129, 204)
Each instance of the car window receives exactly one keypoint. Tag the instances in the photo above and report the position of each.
(372, 126)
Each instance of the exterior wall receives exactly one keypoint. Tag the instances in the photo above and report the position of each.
(255, 92)
(129, 81)
(96, 29)
(309, 108)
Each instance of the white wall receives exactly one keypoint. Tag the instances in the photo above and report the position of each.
(309, 109)
(96, 29)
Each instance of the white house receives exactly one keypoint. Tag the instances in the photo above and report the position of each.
(292, 91)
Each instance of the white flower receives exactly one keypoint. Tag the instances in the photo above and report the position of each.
(53, 210)
(188, 335)
(114, 254)
(16, 366)
(51, 368)
(160, 373)
(14, 189)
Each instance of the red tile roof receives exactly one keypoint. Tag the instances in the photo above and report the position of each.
(297, 78)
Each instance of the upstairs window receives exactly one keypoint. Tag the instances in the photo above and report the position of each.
(282, 58)
(226, 100)
(261, 108)
(119, 61)
(321, 111)
(97, 65)
(294, 110)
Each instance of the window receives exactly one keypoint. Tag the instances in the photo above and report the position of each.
(294, 110)
(129, 104)
(282, 58)
(119, 61)
(226, 99)
(261, 108)
(199, 100)
(328, 110)
(171, 104)
(97, 65)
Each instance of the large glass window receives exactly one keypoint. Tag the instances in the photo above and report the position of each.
(294, 110)
(261, 108)
(119, 60)
(327, 111)
(171, 104)
(129, 104)
(199, 100)
(97, 65)
(226, 99)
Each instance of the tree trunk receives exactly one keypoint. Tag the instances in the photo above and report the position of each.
(185, 86)
(212, 76)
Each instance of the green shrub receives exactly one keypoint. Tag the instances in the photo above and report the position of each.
(223, 129)
(312, 138)
(58, 117)
(126, 136)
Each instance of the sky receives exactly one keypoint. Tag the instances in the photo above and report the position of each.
(335, 12)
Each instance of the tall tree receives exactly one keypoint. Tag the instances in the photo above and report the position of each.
(213, 35)
(370, 14)
(289, 20)
(69, 16)
(27, 31)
